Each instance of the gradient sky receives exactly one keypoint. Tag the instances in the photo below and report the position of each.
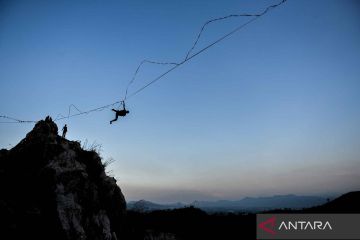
(272, 110)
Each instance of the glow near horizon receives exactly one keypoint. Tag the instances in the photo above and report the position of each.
(272, 110)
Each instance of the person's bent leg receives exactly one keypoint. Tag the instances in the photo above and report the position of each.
(116, 118)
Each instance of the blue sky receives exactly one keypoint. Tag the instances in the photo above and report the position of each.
(272, 110)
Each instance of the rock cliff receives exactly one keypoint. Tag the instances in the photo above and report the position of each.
(51, 188)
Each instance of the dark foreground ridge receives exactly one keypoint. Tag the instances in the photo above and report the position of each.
(192, 224)
(53, 189)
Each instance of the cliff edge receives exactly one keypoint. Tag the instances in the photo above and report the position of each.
(51, 188)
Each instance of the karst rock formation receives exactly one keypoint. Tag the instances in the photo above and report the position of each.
(51, 188)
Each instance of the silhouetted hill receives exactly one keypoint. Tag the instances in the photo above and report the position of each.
(53, 189)
(347, 203)
(189, 223)
(245, 205)
(261, 203)
(144, 206)
(192, 223)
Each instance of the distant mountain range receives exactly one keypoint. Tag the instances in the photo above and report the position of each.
(248, 204)
(193, 223)
(146, 206)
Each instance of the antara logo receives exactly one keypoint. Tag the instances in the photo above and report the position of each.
(268, 225)
(305, 225)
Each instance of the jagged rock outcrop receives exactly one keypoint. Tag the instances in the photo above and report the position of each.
(53, 189)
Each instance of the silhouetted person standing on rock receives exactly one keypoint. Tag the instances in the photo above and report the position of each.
(64, 131)
(118, 113)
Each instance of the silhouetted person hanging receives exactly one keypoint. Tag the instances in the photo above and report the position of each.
(121, 113)
(64, 129)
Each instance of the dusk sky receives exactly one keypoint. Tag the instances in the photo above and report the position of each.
(274, 109)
